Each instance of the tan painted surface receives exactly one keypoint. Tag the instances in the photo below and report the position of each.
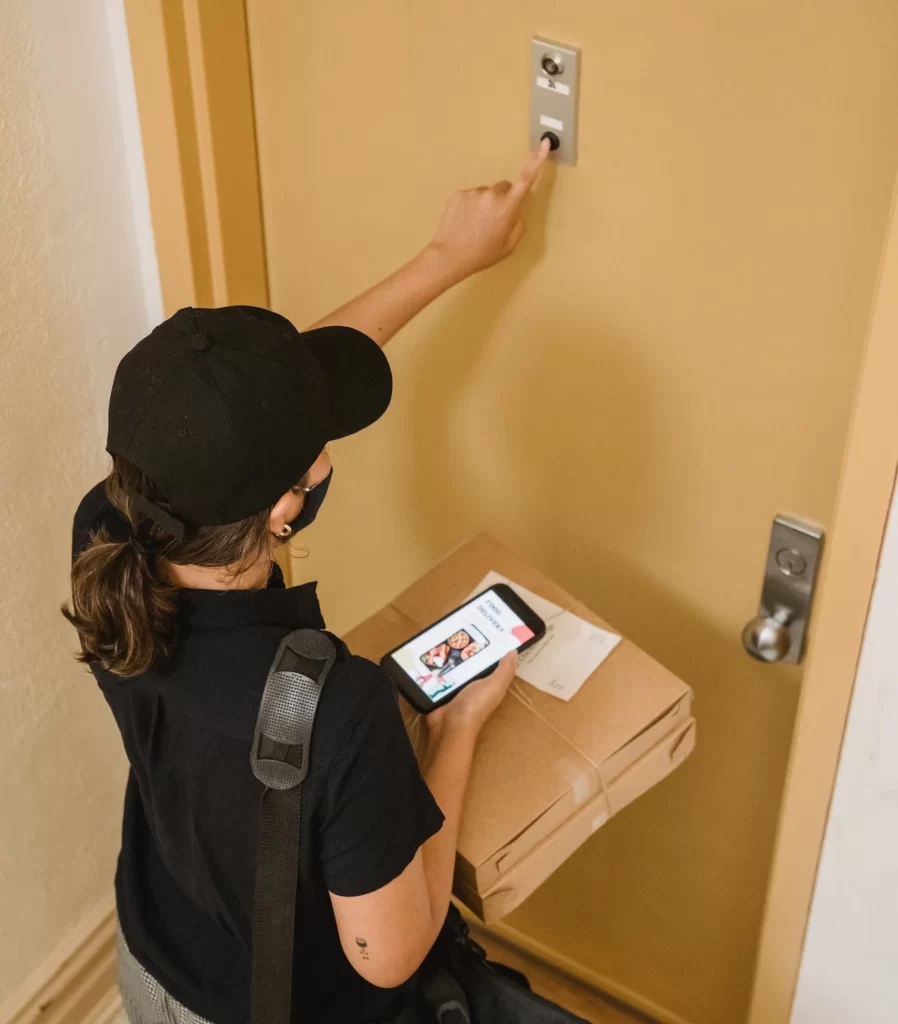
(76, 983)
(157, 36)
(191, 66)
(225, 132)
(551, 983)
(669, 361)
(865, 491)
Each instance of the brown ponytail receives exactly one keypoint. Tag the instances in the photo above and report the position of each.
(124, 611)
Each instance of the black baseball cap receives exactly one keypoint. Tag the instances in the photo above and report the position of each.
(226, 409)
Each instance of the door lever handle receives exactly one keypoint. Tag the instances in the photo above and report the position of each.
(777, 633)
(767, 637)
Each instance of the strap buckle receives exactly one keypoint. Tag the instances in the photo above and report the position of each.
(283, 734)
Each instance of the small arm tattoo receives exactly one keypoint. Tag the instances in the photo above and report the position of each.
(363, 948)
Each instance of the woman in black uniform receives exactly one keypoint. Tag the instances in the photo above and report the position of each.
(218, 425)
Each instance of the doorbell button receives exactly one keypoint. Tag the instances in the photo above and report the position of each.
(554, 96)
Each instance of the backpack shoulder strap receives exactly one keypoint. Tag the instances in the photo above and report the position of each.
(280, 758)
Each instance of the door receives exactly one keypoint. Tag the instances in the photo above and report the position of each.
(669, 360)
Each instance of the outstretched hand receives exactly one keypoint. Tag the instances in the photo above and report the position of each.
(481, 226)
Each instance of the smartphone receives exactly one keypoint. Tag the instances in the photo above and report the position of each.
(468, 643)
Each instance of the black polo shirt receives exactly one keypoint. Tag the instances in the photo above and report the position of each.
(184, 883)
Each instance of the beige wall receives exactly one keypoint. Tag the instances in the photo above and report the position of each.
(76, 290)
(669, 361)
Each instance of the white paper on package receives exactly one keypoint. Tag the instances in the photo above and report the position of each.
(568, 654)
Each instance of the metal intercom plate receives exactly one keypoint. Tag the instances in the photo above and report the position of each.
(554, 95)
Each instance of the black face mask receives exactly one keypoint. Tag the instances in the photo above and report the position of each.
(314, 499)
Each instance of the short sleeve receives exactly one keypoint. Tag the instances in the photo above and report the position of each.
(379, 809)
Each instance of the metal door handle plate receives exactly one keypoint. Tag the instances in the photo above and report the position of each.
(778, 632)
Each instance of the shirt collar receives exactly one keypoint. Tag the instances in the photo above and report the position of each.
(275, 605)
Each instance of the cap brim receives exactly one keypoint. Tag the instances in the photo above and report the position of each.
(359, 377)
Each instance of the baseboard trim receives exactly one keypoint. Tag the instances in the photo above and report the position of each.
(76, 983)
(108, 1009)
(608, 986)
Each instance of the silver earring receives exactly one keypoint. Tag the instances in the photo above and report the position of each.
(285, 530)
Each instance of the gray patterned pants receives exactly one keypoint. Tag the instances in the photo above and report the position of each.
(144, 999)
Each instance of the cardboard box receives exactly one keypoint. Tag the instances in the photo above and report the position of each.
(515, 885)
(547, 773)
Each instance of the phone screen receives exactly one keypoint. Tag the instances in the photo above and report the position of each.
(459, 647)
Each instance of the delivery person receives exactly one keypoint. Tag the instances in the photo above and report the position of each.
(218, 426)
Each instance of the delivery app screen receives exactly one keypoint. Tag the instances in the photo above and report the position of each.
(462, 645)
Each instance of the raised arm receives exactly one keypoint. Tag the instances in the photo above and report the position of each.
(479, 227)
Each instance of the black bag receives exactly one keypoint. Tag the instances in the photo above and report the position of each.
(493, 993)
(456, 984)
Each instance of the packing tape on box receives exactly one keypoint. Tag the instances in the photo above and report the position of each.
(580, 781)
(521, 694)
(599, 820)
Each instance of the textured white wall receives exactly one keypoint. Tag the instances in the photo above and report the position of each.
(77, 287)
(849, 971)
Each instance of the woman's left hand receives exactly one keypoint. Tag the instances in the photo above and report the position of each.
(470, 709)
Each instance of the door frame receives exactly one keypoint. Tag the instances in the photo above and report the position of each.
(193, 80)
(854, 544)
(195, 103)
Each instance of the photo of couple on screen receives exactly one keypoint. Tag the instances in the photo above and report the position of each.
(459, 647)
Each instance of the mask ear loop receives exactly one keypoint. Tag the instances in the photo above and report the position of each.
(287, 530)
(306, 490)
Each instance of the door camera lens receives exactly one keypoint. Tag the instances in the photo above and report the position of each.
(552, 65)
